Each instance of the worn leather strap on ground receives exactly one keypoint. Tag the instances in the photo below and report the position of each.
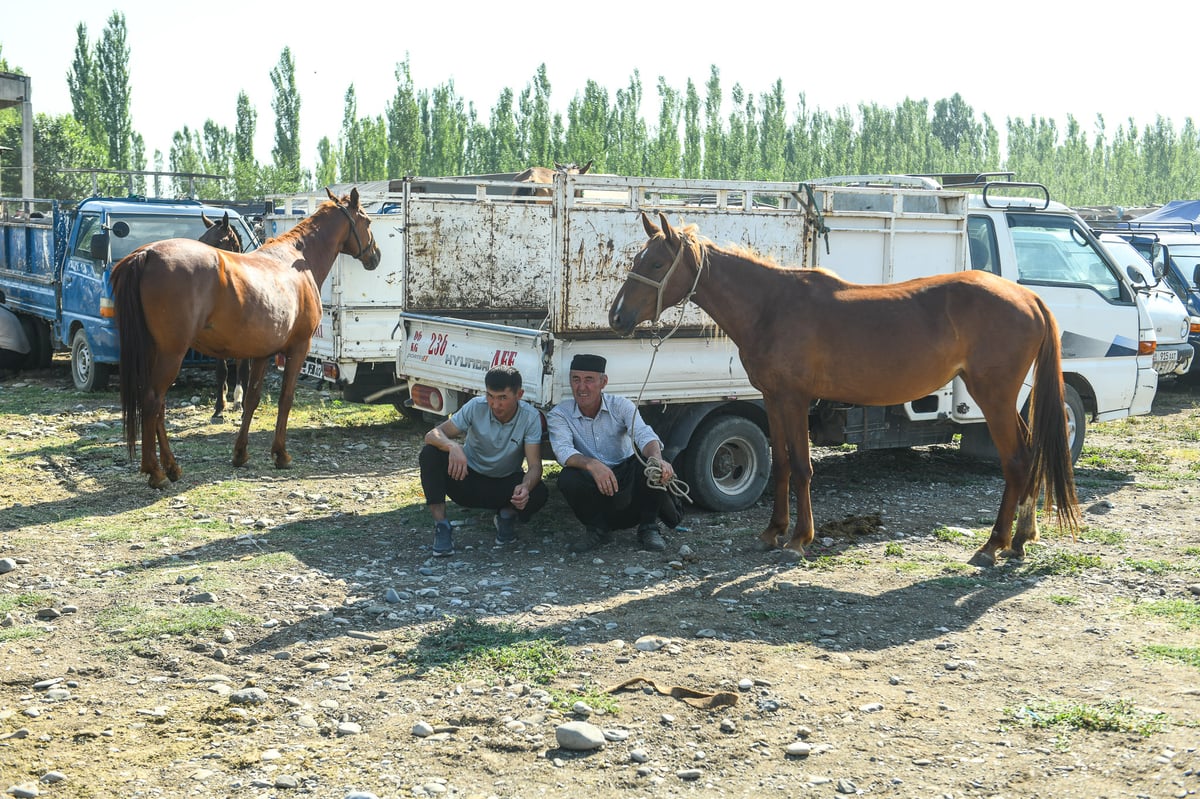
(698, 699)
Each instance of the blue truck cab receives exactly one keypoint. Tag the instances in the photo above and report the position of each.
(56, 261)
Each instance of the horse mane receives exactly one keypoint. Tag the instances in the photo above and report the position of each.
(300, 229)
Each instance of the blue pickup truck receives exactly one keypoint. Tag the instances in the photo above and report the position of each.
(55, 263)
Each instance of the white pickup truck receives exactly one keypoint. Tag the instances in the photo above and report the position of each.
(568, 256)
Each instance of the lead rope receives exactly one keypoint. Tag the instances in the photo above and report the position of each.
(652, 468)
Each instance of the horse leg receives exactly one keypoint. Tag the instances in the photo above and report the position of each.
(241, 377)
(781, 471)
(254, 387)
(800, 461)
(1011, 437)
(222, 376)
(162, 375)
(152, 411)
(291, 373)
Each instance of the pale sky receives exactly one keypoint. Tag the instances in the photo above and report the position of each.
(188, 62)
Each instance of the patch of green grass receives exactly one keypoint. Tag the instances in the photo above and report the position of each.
(130, 622)
(1188, 655)
(18, 633)
(1059, 562)
(26, 600)
(597, 700)
(1114, 716)
(1192, 551)
(1100, 535)
(1183, 613)
(892, 549)
(1150, 566)
(950, 536)
(1063, 599)
(466, 648)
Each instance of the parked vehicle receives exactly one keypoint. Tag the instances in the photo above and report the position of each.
(1169, 236)
(559, 265)
(1173, 355)
(55, 263)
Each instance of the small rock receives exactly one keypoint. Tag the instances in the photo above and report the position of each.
(689, 774)
(52, 777)
(650, 643)
(7, 565)
(579, 736)
(349, 728)
(248, 696)
(25, 790)
(798, 749)
(639, 756)
(422, 729)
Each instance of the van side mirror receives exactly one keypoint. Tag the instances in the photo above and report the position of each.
(1196, 277)
(1135, 275)
(98, 247)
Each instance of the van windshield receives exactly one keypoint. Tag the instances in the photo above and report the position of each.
(147, 228)
(1053, 249)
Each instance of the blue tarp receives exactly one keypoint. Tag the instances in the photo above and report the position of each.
(1174, 211)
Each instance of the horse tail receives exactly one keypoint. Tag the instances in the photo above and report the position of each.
(133, 338)
(1051, 468)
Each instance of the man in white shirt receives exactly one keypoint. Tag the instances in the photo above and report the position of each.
(484, 471)
(593, 435)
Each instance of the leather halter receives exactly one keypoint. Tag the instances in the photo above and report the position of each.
(354, 231)
(659, 285)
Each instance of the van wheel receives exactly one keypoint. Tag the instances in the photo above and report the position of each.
(727, 463)
(1076, 420)
(86, 373)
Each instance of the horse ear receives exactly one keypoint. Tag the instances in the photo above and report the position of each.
(354, 197)
(583, 170)
(332, 196)
(207, 222)
(225, 221)
(668, 231)
(651, 229)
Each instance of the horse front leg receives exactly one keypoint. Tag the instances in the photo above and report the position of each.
(781, 476)
(287, 391)
(254, 385)
(1011, 437)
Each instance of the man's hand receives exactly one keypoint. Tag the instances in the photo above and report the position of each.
(520, 497)
(458, 462)
(606, 481)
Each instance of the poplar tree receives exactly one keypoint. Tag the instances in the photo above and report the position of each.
(286, 105)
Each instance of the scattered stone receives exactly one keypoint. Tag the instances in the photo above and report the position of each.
(579, 736)
(7, 565)
(616, 736)
(422, 729)
(202, 598)
(582, 709)
(286, 781)
(47, 614)
(728, 726)
(650, 643)
(871, 707)
(25, 790)
(846, 786)
(53, 777)
(689, 774)
(639, 756)
(248, 696)
(798, 749)
(349, 728)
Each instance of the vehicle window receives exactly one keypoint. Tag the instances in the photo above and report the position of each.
(1053, 249)
(144, 229)
(981, 236)
(89, 225)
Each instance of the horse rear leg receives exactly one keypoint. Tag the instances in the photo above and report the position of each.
(800, 463)
(254, 386)
(154, 427)
(241, 378)
(222, 377)
(1011, 437)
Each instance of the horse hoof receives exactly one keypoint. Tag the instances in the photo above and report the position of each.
(982, 559)
(217, 417)
(283, 462)
(159, 483)
(787, 553)
(174, 474)
(1014, 555)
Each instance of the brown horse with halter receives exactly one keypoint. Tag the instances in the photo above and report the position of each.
(804, 334)
(224, 236)
(541, 174)
(179, 293)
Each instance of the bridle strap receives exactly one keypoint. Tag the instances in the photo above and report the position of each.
(354, 231)
(659, 285)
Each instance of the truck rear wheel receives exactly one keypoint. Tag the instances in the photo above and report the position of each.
(86, 373)
(727, 463)
(39, 343)
(1076, 420)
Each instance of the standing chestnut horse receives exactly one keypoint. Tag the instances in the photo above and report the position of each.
(804, 334)
(179, 293)
(224, 236)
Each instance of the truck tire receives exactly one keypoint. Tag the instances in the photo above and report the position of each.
(727, 463)
(37, 340)
(44, 346)
(1076, 420)
(86, 373)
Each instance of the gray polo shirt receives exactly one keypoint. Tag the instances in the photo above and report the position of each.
(492, 448)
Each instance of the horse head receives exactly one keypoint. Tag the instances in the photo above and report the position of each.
(221, 235)
(655, 280)
(572, 169)
(359, 232)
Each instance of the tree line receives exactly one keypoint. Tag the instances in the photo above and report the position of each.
(703, 131)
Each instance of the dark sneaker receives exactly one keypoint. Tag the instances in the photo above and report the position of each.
(589, 539)
(443, 540)
(650, 538)
(506, 529)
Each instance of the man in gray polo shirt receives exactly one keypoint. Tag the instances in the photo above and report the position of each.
(499, 431)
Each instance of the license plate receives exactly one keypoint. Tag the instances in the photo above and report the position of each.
(311, 368)
(1164, 361)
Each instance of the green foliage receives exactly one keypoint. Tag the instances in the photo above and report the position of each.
(1183, 613)
(1114, 716)
(1188, 655)
(468, 649)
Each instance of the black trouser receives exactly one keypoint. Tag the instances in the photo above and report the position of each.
(475, 490)
(634, 503)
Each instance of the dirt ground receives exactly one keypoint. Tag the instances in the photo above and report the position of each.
(264, 633)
